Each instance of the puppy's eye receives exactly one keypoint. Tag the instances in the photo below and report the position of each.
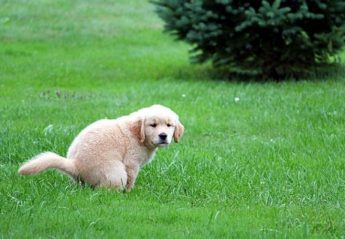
(153, 125)
(169, 125)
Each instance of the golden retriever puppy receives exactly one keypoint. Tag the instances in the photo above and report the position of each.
(109, 153)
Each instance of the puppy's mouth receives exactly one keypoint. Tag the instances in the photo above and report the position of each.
(162, 143)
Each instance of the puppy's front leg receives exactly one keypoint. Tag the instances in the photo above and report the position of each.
(132, 173)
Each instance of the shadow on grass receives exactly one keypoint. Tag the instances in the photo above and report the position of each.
(335, 72)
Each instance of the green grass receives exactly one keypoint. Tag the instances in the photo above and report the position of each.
(268, 166)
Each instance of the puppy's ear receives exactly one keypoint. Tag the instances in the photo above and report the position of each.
(179, 129)
(138, 129)
(142, 131)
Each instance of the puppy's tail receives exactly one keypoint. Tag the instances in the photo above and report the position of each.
(48, 160)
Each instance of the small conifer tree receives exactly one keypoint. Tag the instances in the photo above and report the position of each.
(272, 38)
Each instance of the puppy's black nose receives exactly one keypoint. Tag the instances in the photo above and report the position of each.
(163, 136)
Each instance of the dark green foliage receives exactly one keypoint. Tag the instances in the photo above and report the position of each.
(274, 38)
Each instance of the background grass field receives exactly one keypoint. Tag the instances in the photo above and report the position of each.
(269, 165)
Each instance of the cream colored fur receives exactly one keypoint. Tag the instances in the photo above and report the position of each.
(109, 153)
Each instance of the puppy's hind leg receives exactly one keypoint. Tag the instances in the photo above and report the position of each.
(115, 176)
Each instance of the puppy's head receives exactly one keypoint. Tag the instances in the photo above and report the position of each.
(157, 126)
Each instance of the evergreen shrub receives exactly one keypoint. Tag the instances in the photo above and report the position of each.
(271, 38)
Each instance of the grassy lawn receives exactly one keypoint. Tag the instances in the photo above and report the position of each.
(271, 165)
